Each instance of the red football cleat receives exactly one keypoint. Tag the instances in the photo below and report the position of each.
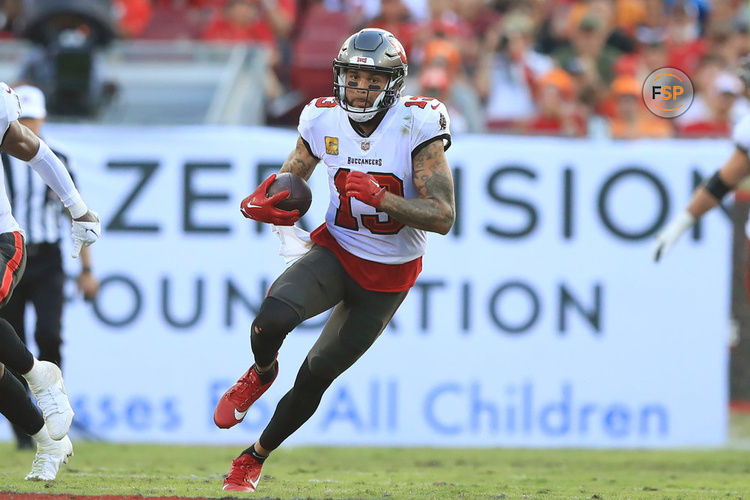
(244, 474)
(235, 403)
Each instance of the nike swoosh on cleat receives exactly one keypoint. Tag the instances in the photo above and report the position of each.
(254, 483)
(239, 415)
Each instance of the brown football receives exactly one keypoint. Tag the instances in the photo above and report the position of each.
(300, 195)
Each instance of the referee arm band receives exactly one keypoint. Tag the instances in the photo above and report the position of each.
(717, 187)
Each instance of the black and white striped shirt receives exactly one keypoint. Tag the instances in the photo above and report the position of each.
(38, 210)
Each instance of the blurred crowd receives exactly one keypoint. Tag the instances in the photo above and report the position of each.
(554, 67)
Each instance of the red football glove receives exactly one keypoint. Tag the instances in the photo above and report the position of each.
(365, 188)
(259, 207)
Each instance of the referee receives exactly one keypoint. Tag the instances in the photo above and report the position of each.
(42, 216)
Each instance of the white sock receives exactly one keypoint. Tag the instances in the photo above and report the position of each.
(37, 376)
(42, 438)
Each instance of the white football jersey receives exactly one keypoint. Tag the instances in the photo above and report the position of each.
(741, 139)
(386, 154)
(10, 107)
(10, 110)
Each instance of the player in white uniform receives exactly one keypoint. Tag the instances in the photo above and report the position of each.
(50, 427)
(711, 192)
(390, 184)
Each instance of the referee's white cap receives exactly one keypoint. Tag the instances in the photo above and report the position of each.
(33, 104)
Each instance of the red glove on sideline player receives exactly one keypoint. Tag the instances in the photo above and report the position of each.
(259, 207)
(365, 188)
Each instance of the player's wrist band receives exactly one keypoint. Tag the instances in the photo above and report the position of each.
(717, 187)
(85, 269)
(78, 209)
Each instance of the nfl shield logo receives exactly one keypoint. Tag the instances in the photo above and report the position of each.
(365, 145)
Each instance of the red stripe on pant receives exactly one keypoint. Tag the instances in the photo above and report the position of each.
(11, 266)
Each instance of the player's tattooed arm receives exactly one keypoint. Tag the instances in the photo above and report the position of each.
(435, 209)
(300, 161)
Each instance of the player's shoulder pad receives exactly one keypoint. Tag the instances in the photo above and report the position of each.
(10, 107)
(429, 119)
(422, 106)
(311, 122)
(741, 134)
(427, 111)
(317, 107)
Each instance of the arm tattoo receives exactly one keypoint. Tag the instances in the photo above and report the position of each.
(300, 161)
(435, 208)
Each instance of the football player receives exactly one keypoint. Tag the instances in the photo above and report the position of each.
(390, 184)
(50, 427)
(712, 191)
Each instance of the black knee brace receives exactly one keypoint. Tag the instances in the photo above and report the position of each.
(274, 321)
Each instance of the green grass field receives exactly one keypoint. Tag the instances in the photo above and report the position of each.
(112, 469)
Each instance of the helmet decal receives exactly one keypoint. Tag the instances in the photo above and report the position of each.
(362, 60)
(398, 47)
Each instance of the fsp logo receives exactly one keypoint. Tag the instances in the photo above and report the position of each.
(668, 92)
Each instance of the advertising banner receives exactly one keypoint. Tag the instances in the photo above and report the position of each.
(540, 320)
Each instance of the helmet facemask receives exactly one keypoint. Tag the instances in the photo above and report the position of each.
(387, 98)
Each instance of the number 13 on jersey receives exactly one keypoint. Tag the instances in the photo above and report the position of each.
(345, 217)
